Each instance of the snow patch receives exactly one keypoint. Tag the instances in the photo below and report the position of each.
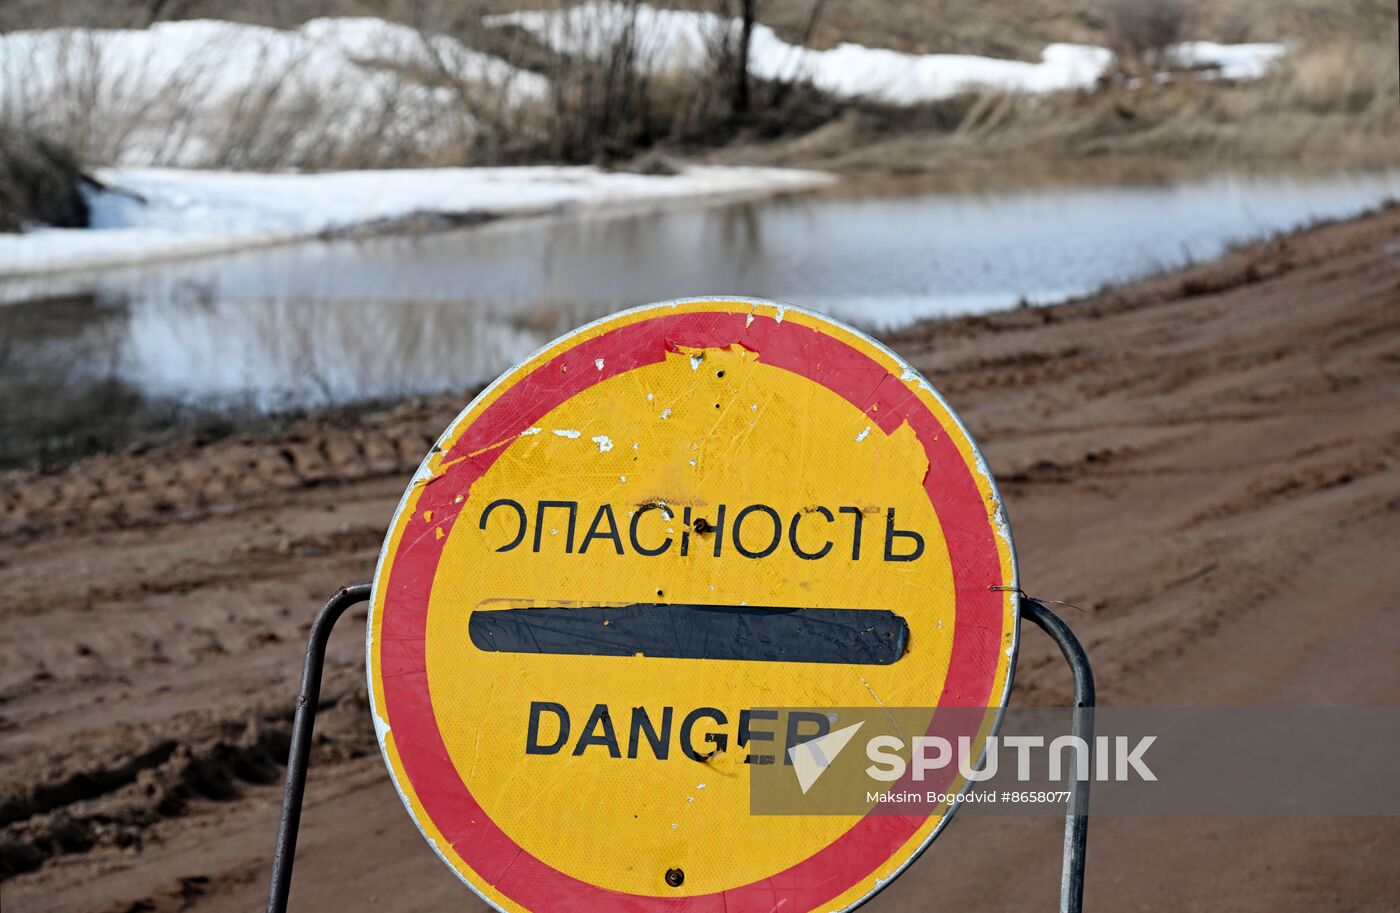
(1229, 61)
(674, 40)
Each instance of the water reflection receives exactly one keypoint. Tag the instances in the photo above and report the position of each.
(60, 394)
(336, 322)
(285, 354)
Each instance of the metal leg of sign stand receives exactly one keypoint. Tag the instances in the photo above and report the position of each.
(300, 753)
(1077, 817)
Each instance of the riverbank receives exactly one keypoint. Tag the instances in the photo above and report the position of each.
(1205, 462)
(142, 215)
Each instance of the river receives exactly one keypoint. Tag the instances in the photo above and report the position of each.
(91, 359)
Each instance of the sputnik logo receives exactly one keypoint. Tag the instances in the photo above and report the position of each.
(811, 759)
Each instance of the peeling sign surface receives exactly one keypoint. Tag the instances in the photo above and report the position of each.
(735, 505)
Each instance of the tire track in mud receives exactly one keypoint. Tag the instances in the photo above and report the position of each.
(188, 482)
(111, 801)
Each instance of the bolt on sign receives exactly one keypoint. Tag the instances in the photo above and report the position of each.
(627, 547)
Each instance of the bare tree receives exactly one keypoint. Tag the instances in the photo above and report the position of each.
(1142, 31)
(742, 100)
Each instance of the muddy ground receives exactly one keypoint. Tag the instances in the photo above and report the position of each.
(1206, 462)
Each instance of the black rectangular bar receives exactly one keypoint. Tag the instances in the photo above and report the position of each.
(677, 631)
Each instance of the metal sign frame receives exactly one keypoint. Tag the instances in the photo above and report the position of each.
(308, 699)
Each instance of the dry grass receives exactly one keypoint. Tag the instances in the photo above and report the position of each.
(1326, 106)
(1020, 30)
(1332, 100)
(425, 109)
(1340, 78)
(40, 183)
(107, 109)
(609, 107)
(1140, 32)
(1012, 30)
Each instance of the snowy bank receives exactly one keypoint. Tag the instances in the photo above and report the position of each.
(676, 40)
(206, 92)
(368, 93)
(187, 213)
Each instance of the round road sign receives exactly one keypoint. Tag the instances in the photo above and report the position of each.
(634, 538)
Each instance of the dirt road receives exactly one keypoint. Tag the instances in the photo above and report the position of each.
(1208, 463)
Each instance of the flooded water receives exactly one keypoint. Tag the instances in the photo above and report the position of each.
(330, 323)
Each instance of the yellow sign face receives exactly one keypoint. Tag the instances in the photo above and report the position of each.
(626, 549)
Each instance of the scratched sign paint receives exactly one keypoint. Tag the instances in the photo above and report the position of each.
(630, 541)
